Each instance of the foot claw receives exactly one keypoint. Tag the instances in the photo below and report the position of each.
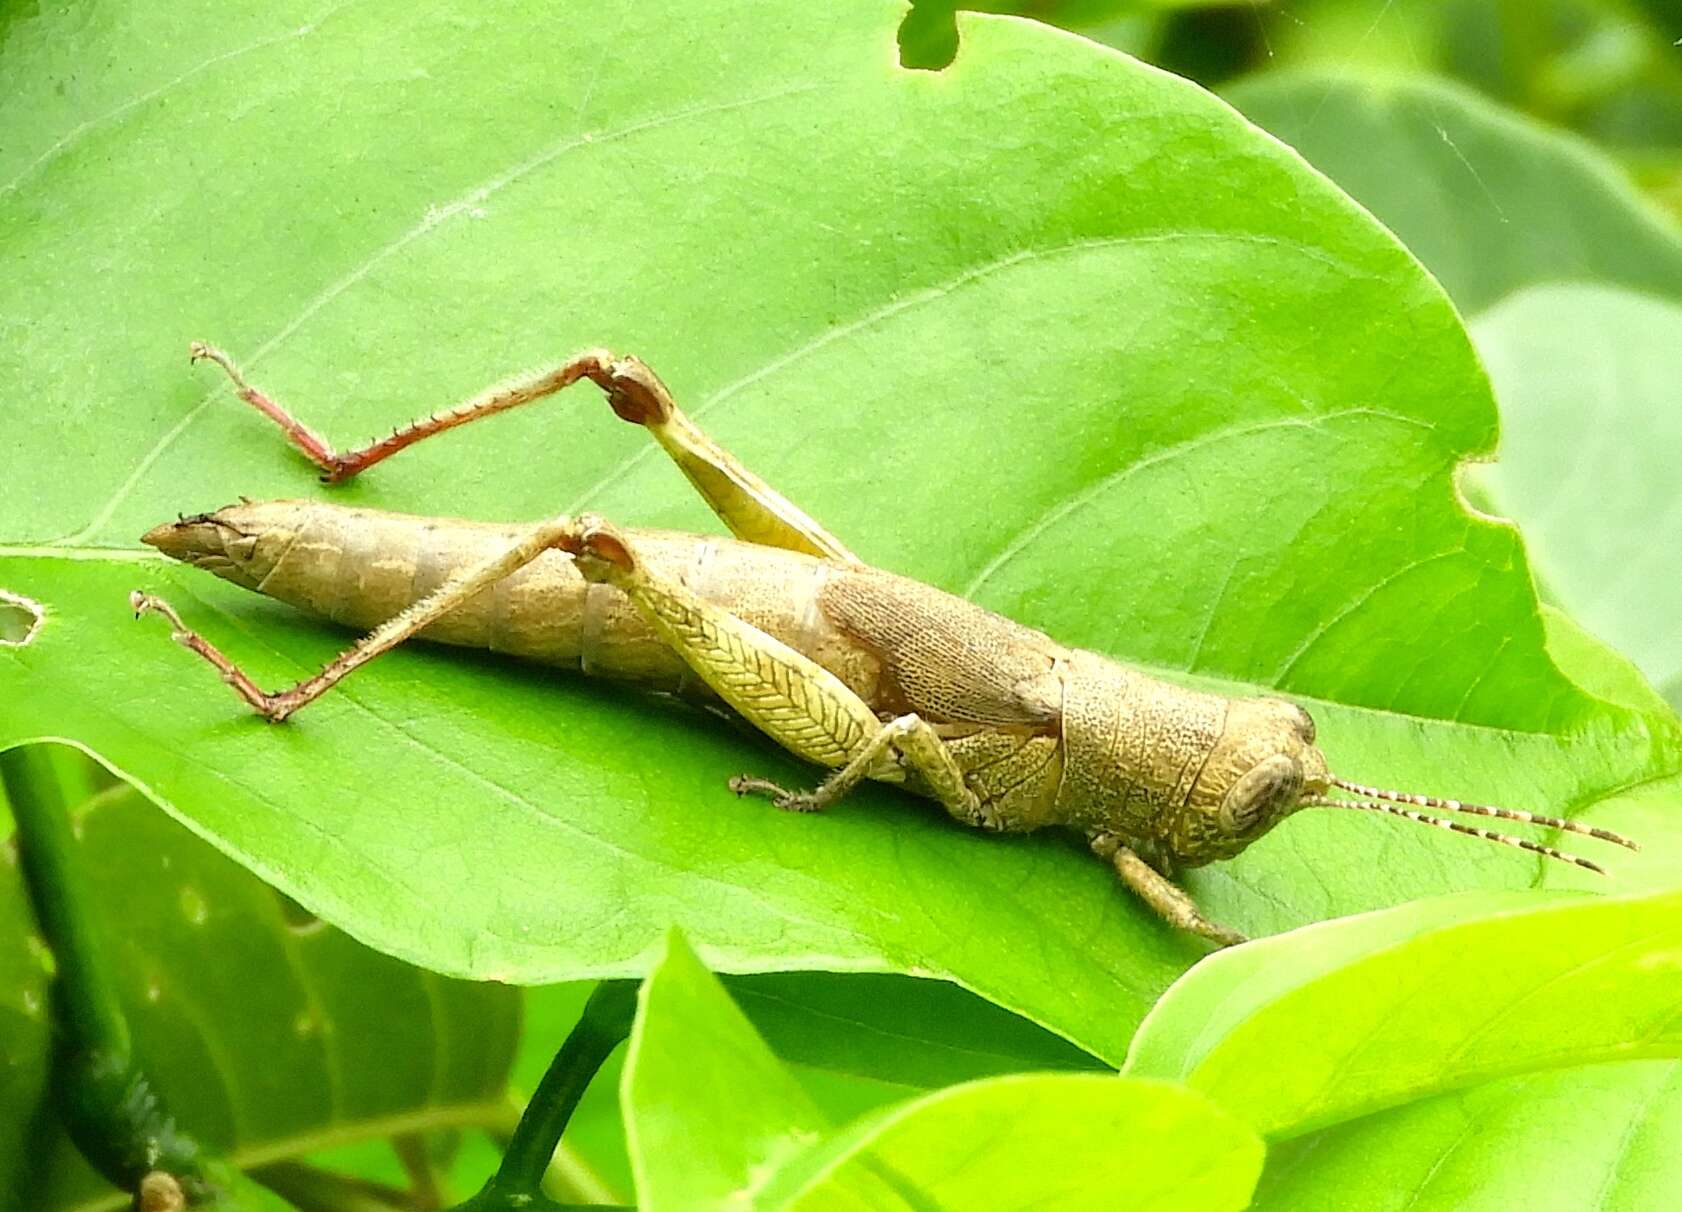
(747, 784)
(780, 797)
(1220, 935)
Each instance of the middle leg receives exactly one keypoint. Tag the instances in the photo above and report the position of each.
(910, 739)
(782, 692)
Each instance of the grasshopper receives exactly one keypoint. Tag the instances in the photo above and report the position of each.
(869, 674)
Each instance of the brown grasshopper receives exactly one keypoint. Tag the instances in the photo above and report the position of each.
(870, 674)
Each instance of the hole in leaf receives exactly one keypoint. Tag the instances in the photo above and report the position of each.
(928, 37)
(1472, 490)
(1216, 44)
(20, 619)
(298, 919)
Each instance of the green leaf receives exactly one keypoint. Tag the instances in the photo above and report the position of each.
(1037, 1141)
(1490, 200)
(895, 1029)
(1212, 431)
(1600, 67)
(1341, 1019)
(265, 1032)
(709, 1110)
(1587, 377)
(714, 1118)
(1597, 669)
(1602, 1136)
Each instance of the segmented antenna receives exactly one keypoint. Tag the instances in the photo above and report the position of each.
(1505, 814)
(1425, 818)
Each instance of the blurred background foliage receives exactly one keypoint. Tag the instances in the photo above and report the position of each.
(1608, 69)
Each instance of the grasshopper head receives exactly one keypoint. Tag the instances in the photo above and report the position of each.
(239, 543)
(1266, 766)
(1258, 773)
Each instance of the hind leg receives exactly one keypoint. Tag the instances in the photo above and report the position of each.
(750, 507)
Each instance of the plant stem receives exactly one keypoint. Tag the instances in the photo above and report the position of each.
(605, 1023)
(108, 1104)
(411, 1151)
(86, 996)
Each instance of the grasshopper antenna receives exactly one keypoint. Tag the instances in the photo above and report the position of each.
(1425, 818)
(1505, 814)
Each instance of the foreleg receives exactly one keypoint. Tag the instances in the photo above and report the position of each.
(1168, 899)
(560, 533)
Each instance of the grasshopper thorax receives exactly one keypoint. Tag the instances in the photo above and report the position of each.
(1183, 777)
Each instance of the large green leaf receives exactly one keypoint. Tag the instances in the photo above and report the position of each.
(1349, 1017)
(1587, 377)
(1490, 200)
(1602, 1136)
(1036, 1141)
(1212, 430)
(267, 1034)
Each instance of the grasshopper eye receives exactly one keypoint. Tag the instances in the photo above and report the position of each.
(1264, 793)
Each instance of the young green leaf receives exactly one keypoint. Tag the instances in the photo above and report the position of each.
(1601, 1136)
(710, 1112)
(854, 1042)
(1035, 1141)
(1302, 1031)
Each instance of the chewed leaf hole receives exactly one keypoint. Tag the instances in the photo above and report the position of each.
(1473, 479)
(928, 37)
(298, 919)
(20, 619)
